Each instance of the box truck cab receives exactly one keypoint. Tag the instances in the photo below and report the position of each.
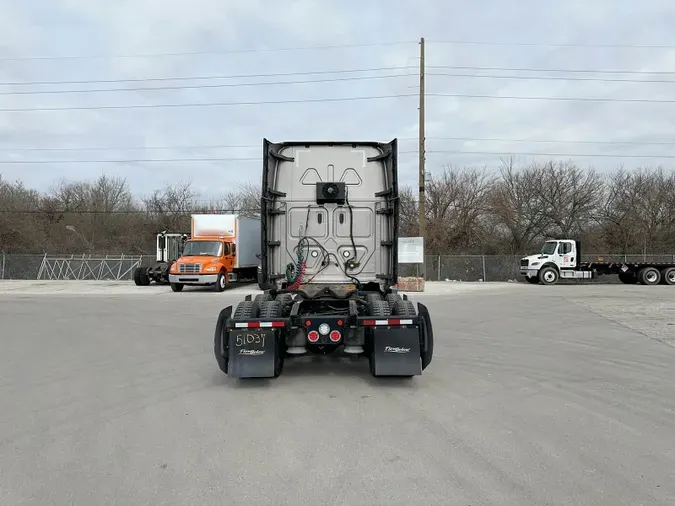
(222, 248)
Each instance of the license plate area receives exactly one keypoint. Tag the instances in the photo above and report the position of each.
(252, 352)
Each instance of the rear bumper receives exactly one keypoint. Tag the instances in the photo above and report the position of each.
(193, 279)
(253, 347)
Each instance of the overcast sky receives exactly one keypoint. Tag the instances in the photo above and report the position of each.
(95, 40)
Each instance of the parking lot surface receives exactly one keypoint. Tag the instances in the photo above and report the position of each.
(537, 395)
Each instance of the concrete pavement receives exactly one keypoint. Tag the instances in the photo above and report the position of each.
(536, 395)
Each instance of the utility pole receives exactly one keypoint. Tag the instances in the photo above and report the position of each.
(421, 197)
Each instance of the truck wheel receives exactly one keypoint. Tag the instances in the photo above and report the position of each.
(274, 309)
(260, 298)
(137, 276)
(404, 308)
(378, 308)
(649, 276)
(548, 276)
(246, 309)
(177, 287)
(533, 280)
(391, 299)
(221, 283)
(373, 296)
(668, 276)
(143, 279)
(218, 345)
(628, 278)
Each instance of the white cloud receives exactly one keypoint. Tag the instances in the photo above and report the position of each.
(95, 27)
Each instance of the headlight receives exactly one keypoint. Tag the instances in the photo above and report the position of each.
(211, 269)
(534, 264)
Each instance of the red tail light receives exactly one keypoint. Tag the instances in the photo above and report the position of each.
(313, 336)
(335, 336)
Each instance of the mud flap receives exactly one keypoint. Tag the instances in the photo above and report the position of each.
(426, 335)
(253, 353)
(396, 351)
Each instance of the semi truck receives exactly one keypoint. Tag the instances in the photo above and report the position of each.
(561, 259)
(169, 248)
(222, 249)
(329, 239)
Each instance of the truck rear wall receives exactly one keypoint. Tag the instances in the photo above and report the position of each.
(291, 211)
(248, 242)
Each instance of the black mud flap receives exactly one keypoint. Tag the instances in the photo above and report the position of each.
(396, 352)
(426, 335)
(254, 353)
(220, 339)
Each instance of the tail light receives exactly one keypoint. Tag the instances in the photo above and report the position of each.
(335, 336)
(313, 336)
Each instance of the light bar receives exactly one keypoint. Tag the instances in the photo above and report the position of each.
(373, 323)
(255, 325)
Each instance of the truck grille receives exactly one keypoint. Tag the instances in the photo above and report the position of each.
(189, 268)
(524, 262)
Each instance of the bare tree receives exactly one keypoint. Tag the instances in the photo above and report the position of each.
(570, 196)
(516, 206)
(455, 203)
(409, 222)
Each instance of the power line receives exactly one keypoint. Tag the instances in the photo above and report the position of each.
(207, 104)
(555, 78)
(211, 52)
(557, 141)
(130, 212)
(209, 77)
(133, 160)
(531, 69)
(138, 148)
(336, 99)
(550, 44)
(203, 86)
(496, 153)
(255, 146)
(569, 99)
(149, 160)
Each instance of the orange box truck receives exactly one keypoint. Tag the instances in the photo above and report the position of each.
(222, 249)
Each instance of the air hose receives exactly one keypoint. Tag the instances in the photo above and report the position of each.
(295, 272)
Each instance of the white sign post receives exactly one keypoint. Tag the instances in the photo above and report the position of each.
(411, 250)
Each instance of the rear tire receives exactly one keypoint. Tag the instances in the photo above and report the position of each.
(245, 310)
(404, 308)
(274, 309)
(649, 276)
(392, 298)
(218, 345)
(378, 308)
(137, 276)
(668, 276)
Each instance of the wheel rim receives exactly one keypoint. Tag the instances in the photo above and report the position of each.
(222, 281)
(651, 276)
(670, 276)
(549, 276)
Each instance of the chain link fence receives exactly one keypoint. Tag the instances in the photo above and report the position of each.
(437, 267)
